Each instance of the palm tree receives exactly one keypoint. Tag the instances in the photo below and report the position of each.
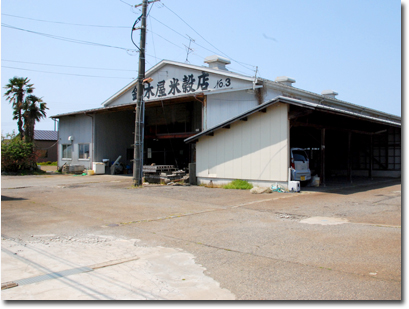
(17, 88)
(34, 109)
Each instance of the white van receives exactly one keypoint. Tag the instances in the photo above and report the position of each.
(300, 165)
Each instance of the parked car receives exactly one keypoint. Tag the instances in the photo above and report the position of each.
(300, 166)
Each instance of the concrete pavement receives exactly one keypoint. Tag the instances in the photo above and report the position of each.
(225, 244)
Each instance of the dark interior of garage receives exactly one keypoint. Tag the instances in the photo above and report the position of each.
(345, 146)
(167, 124)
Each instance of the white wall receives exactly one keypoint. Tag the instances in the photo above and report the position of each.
(80, 127)
(171, 74)
(254, 150)
(224, 106)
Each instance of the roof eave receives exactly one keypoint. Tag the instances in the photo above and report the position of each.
(291, 101)
(321, 98)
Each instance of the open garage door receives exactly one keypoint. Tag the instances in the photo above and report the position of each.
(342, 147)
(167, 124)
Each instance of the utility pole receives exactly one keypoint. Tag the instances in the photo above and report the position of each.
(139, 109)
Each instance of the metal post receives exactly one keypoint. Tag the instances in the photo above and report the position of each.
(349, 174)
(139, 112)
(370, 156)
(323, 157)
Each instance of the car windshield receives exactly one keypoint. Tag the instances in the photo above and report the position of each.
(299, 155)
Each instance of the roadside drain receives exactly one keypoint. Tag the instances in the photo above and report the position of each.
(64, 273)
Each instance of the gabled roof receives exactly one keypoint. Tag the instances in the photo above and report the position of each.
(285, 89)
(301, 103)
(163, 63)
(45, 135)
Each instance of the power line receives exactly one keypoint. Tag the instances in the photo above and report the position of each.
(66, 39)
(67, 66)
(126, 3)
(187, 37)
(153, 42)
(63, 23)
(166, 39)
(240, 63)
(82, 75)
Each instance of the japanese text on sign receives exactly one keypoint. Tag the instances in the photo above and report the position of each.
(189, 83)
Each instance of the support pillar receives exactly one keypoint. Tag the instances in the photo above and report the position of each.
(322, 176)
(370, 156)
(349, 163)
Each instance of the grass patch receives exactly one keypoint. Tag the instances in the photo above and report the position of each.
(48, 163)
(238, 185)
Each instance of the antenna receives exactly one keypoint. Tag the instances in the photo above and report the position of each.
(188, 49)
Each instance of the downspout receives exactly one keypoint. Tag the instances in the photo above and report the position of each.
(92, 139)
(58, 139)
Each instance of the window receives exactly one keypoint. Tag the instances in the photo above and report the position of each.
(67, 151)
(299, 155)
(83, 151)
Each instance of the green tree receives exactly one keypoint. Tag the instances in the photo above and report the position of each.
(16, 154)
(17, 88)
(34, 110)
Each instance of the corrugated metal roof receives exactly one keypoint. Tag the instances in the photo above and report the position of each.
(95, 110)
(300, 103)
(45, 135)
(336, 104)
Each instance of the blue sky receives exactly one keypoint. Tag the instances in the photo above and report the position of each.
(352, 47)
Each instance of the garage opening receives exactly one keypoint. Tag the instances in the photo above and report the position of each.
(167, 124)
(341, 147)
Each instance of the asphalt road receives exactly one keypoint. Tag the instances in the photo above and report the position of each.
(343, 244)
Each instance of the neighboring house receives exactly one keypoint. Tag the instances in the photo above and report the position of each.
(233, 126)
(46, 144)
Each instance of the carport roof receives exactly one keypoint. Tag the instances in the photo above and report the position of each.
(300, 103)
(97, 110)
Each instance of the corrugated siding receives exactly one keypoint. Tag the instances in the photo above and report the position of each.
(254, 150)
(223, 106)
(80, 127)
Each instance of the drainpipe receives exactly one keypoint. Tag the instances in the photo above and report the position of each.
(58, 139)
(92, 139)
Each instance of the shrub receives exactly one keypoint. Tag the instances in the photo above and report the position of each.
(48, 163)
(16, 155)
(238, 184)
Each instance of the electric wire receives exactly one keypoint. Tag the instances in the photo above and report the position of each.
(67, 66)
(153, 42)
(194, 42)
(166, 39)
(81, 75)
(65, 38)
(133, 29)
(63, 23)
(240, 63)
(126, 3)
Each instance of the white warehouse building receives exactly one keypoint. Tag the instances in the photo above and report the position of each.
(233, 126)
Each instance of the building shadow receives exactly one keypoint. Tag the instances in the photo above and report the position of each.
(9, 198)
(340, 185)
